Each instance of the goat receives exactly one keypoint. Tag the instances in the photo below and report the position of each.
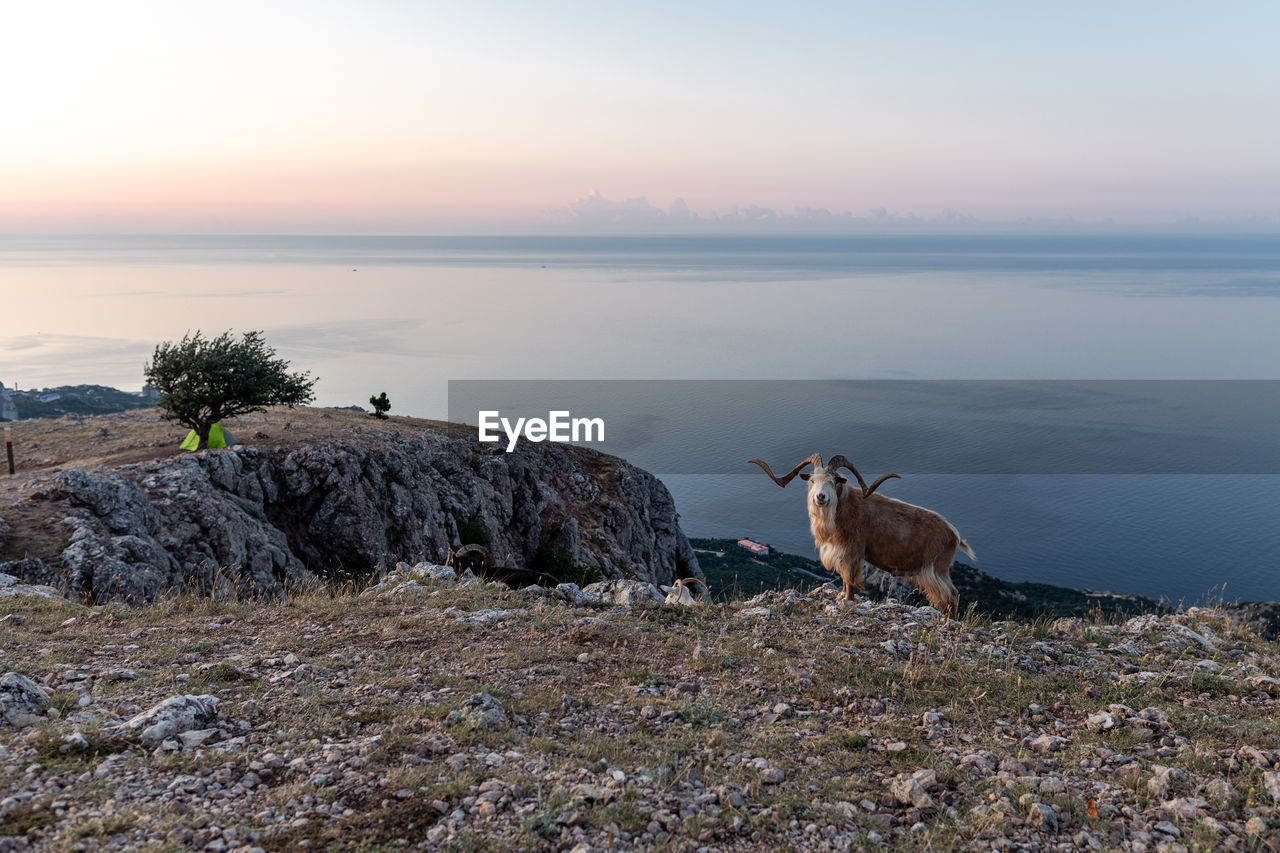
(476, 558)
(850, 525)
(679, 593)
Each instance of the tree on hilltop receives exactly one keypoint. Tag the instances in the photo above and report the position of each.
(202, 380)
(380, 405)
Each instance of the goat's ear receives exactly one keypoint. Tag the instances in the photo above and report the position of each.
(804, 477)
(840, 479)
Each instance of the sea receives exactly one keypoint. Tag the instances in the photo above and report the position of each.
(1105, 502)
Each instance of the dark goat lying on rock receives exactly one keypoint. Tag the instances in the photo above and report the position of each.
(476, 558)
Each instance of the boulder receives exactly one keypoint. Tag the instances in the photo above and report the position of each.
(171, 718)
(19, 696)
(481, 711)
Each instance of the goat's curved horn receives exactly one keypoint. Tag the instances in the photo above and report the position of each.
(705, 595)
(815, 460)
(840, 462)
(878, 482)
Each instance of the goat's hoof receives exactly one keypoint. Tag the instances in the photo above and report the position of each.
(842, 602)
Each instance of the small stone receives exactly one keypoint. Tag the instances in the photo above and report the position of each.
(927, 777)
(573, 818)
(1185, 807)
(194, 739)
(481, 711)
(19, 696)
(1219, 791)
(1256, 826)
(1048, 743)
(1044, 816)
(1271, 781)
(1158, 784)
(1102, 721)
(909, 792)
(772, 775)
(74, 742)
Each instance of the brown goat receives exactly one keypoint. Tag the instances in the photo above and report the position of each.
(851, 524)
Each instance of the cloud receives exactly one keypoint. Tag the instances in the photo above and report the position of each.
(593, 213)
(593, 209)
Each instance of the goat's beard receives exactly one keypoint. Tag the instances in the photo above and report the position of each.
(822, 520)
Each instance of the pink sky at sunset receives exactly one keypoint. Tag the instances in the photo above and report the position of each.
(405, 117)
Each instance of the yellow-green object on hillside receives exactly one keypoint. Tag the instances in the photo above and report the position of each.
(218, 437)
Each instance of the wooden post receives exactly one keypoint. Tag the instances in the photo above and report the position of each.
(8, 447)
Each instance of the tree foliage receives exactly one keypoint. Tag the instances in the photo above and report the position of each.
(380, 405)
(205, 380)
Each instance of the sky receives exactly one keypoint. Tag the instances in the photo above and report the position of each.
(422, 117)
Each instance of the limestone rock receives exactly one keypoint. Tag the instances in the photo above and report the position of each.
(19, 695)
(1044, 816)
(1271, 781)
(909, 792)
(569, 593)
(625, 592)
(481, 711)
(172, 717)
(249, 523)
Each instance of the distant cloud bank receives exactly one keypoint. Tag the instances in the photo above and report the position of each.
(593, 213)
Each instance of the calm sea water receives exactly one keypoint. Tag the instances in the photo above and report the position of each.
(406, 315)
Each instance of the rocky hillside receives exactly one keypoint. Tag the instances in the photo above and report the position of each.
(322, 496)
(734, 572)
(64, 399)
(435, 714)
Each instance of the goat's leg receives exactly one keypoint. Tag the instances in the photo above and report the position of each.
(850, 569)
(942, 568)
(935, 579)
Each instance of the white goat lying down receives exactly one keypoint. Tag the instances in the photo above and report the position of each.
(851, 524)
(680, 593)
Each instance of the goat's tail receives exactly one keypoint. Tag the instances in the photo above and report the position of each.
(964, 546)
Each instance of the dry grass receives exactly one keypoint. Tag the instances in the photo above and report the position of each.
(396, 669)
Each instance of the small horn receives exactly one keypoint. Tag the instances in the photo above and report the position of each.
(814, 460)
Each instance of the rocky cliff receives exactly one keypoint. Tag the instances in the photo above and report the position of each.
(254, 522)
